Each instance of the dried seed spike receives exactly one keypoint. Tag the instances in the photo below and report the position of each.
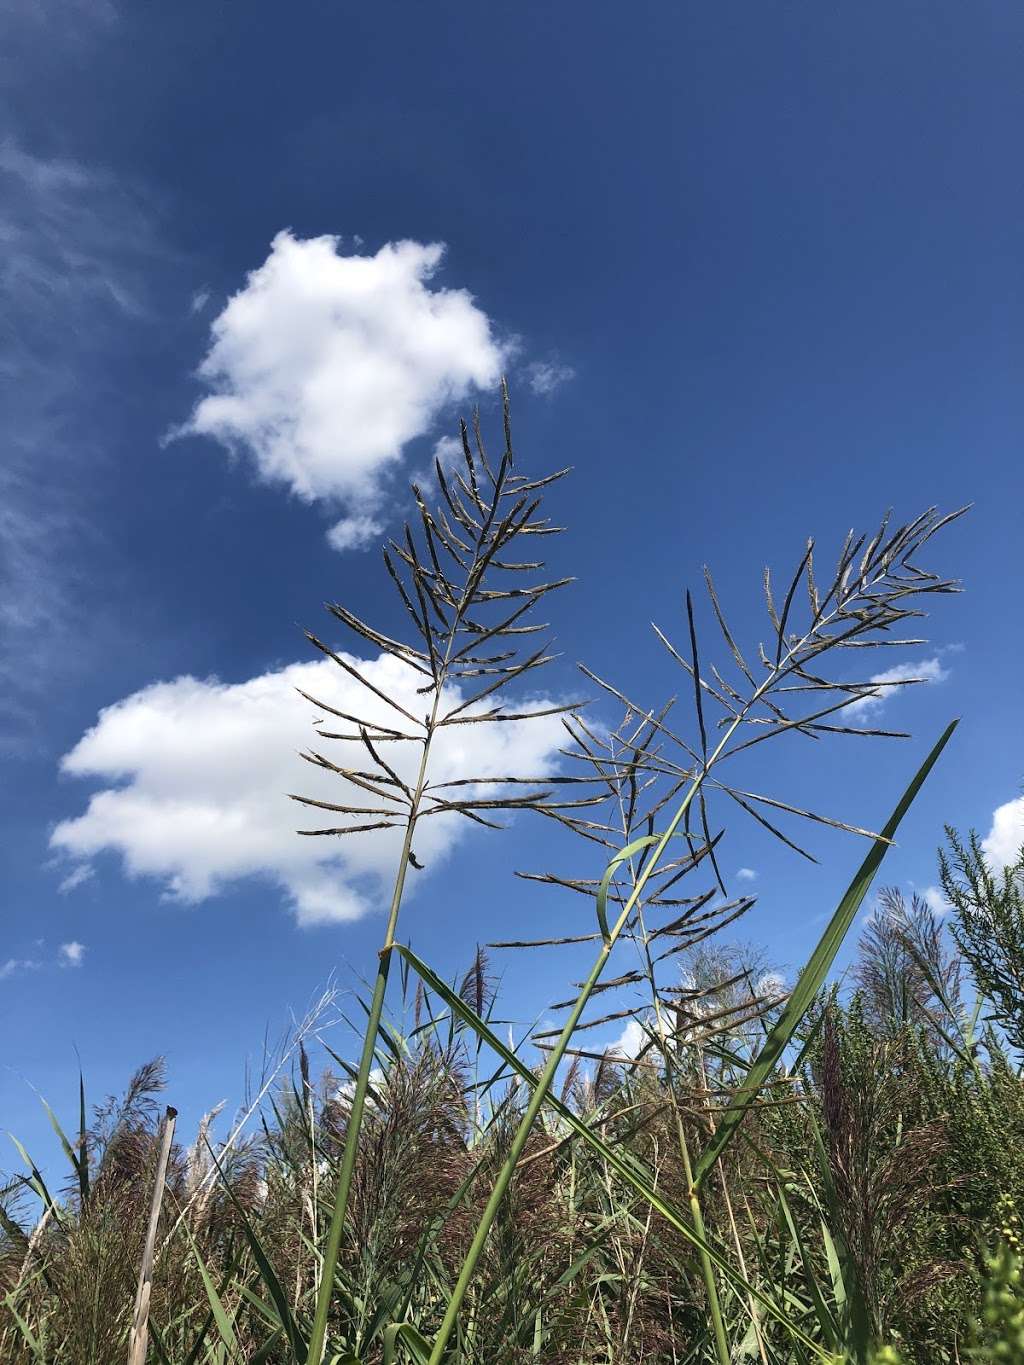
(364, 736)
(698, 702)
(380, 731)
(762, 820)
(481, 450)
(773, 615)
(351, 829)
(467, 454)
(339, 809)
(867, 560)
(532, 484)
(451, 535)
(506, 414)
(408, 655)
(789, 602)
(422, 627)
(812, 587)
(724, 628)
(534, 661)
(455, 507)
(346, 667)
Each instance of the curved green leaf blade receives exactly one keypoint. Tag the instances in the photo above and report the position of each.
(812, 978)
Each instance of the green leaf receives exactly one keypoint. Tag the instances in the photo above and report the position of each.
(602, 892)
(220, 1316)
(414, 1341)
(269, 1276)
(624, 1163)
(813, 976)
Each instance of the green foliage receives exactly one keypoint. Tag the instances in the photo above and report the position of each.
(989, 926)
(781, 1177)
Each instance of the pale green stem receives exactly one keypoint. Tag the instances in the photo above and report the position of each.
(547, 1076)
(332, 1250)
(707, 1269)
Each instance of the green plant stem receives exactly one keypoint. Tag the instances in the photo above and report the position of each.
(820, 959)
(696, 1213)
(708, 1270)
(547, 1076)
(318, 1333)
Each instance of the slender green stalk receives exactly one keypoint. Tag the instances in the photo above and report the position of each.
(707, 1269)
(547, 1076)
(785, 661)
(490, 526)
(332, 1250)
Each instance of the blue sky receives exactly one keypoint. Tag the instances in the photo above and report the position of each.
(754, 271)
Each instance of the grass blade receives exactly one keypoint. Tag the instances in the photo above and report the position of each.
(812, 978)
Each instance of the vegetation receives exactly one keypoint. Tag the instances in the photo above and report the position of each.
(815, 1174)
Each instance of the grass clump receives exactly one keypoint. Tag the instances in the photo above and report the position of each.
(776, 1174)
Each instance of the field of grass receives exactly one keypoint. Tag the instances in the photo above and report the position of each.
(778, 1175)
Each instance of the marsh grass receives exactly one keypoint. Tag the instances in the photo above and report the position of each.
(747, 1186)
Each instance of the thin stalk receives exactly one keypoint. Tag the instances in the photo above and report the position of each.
(547, 1076)
(139, 1336)
(696, 1213)
(784, 663)
(722, 1350)
(318, 1332)
(755, 1314)
(714, 1303)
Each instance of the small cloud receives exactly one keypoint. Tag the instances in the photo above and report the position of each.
(935, 900)
(199, 300)
(545, 376)
(1002, 845)
(448, 451)
(76, 877)
(746, 874)
(14, 965)
(630, 1040)
(71, 954)
(354, 533)
(772, 986)
(894, 680)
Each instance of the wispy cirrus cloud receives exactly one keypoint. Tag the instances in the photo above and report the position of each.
(76, 253)
(14, 966)
(546, 376)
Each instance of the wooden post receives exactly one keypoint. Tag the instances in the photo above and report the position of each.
(138, 1339)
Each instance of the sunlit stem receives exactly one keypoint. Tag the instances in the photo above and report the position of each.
(547, 1076)
(332, 1249)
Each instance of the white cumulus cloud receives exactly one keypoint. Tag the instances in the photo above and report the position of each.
(328, 363)
(354, 533)
(629, 1042)
(935, 900)
(746, 874)
(895, 679)
(196, 774)
(71, 954)
(1004, 840)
